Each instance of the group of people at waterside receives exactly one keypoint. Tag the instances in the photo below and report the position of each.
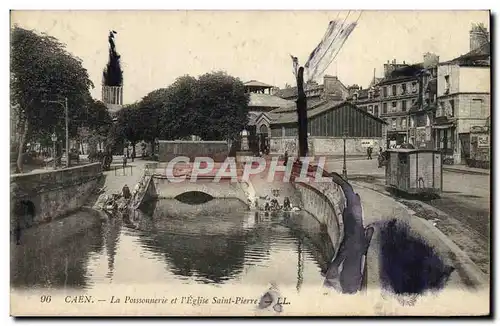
(271, 204)
(119, 202)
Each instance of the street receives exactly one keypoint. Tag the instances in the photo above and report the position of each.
(462, 212)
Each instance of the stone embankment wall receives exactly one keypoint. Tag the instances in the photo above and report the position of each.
(53, 193)
(325, 201)
(217, 150)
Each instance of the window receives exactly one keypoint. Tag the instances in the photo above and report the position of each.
(384, 108)
(375, 110)
(452, 108)
(412, 122)
(385, 91)
(394, 106)
(403, 123)
(403, 88)
(403, 106)
(394, 89)
(370, 94)
(476, 109)
(370, 109)
(446, 84)
(414, 87)
(393, 123)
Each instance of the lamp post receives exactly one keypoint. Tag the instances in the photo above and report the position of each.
(54, 139)
(65, 105)
(244, 140)
(344, 170)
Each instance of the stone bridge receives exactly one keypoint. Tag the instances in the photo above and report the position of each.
(41, 197)
(224, 189)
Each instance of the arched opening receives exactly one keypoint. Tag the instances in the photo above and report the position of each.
(194, 197)
(263, 138)
(25, 212)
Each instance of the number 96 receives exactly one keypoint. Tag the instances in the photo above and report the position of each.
(45, 298)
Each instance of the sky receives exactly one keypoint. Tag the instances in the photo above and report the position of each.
(156, 47)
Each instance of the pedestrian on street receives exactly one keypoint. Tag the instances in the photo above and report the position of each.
(369, 152)
(124, 161)
(286, 158)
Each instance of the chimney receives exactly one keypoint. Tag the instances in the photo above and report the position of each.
(478, 36)
(430, 60)
(329, 84)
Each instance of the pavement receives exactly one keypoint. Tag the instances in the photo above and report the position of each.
(465, 169)
(461, 215)
(118, 176)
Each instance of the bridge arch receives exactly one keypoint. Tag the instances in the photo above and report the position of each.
(194, 197)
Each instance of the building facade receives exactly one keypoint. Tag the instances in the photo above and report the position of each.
(261, 102)
(366, 99)
(329, 122)
(399, 91)
(332, 88)
(463, 96)
(421, 115)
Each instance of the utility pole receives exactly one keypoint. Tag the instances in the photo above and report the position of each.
(67, 131)
(344, 169)
(65, 104)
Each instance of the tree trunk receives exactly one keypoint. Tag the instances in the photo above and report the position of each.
(22, 139)
(153, 148)
(301, 113)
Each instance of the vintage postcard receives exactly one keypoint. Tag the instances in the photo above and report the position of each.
(250, 163)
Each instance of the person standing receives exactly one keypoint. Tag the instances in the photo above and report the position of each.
(286, 158)
(124, 161)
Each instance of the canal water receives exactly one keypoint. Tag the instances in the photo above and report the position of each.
(219, 242)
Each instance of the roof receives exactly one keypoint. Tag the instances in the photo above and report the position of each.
(255, 83)
(479, 56)
(291, 117)
(401, 74)
(292, 106)
(268, 101)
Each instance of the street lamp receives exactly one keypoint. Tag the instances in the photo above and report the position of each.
(65, 105)
(54, 139)
(344, 170)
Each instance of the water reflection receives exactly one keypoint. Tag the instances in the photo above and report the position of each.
(56, 254)
(217, 242)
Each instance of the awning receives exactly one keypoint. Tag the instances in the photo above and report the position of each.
(446, 126)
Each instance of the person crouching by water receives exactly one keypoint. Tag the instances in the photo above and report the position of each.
(286, 204)
(126, 192)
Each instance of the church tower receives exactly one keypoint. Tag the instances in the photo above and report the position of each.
(112, 79)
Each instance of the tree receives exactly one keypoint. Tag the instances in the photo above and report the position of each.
(214, 107)
(42, 69)
(95, 124)
(127, 126)
(221, 105)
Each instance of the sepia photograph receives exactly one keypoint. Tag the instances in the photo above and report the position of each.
(250, 163)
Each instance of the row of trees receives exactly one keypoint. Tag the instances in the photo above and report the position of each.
(43, 71)
(213, 106)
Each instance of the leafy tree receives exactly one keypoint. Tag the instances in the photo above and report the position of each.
(127, 126)
(221, 105)
(95, 124)
(42, 69)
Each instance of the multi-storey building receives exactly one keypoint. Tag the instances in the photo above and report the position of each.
(366, 99)
(463, 96)
(399, 91)
(332, 89)
(421, 115)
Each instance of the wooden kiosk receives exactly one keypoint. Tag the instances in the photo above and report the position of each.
(414, 171)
